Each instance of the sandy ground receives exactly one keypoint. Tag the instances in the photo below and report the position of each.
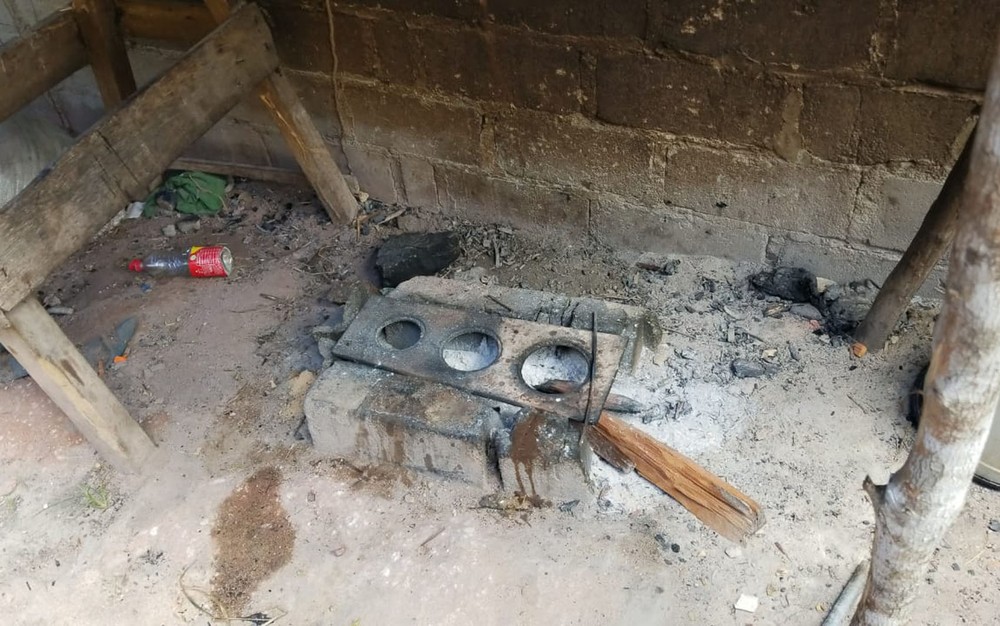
(234, 517)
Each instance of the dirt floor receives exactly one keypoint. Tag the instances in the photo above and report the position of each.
(236, 517)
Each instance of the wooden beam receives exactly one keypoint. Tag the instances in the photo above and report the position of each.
(37, 61)
(166, 21)
(118, 159)
(106, 51)
(253, 172)
(722, 507)
(40, 346)
(309, 149)
(302, 137)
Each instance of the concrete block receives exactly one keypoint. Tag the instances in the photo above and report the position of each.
(475, 195)
(301, 37)
(963, 33)
(762, 189)
(828, 120)
(395, 45)
(640, 328)
(466, 10)
(820, 35)
(575, 151)
(689, 98)
(842, 262)
(609, 18)
(373, 169)
(373, 417)
(673, 230)
(891, 208)
(542, 458)
(355, 45)
(515, 68)
(904, 126)
(418, 182)
(411, 125)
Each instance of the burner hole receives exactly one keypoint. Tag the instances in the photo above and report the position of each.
(556, 369)
(401, 334)
(471, 352)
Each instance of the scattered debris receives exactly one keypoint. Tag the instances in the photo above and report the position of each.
(805, 310)
(189, 225)
(169, 230)
(747, 603)
(994, 525)
(743, 368)
(668, 268)
(788, 283)
(734, 552)
(60, 310)
(416, 254)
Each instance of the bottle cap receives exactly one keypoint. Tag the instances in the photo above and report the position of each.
(135, 265)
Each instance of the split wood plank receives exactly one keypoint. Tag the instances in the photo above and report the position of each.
(40, 346)
(120, 158)
(106, 51)
(303, 138)
(722, 507)
(37, 61)
(165, 21)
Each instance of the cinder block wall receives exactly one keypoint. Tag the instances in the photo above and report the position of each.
(811, 132)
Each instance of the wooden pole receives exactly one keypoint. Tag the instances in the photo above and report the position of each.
(106, 51)
(914, 510)
(165, 20)
(37, 61)
(118, 159)
(302, 137)
(928, 247)
(40, 346)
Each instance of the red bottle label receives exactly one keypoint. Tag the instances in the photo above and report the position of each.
(210, 261)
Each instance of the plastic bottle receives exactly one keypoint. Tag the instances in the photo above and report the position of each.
(198, 261)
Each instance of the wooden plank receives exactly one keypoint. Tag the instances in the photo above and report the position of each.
(119, 158)
(166, 21)
(37, 61)
(105, 50)
(309, 149)
(303, 138)
(243, 170)
(722, 507)
(40, 346)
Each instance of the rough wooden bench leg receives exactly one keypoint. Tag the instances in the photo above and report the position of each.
(40, 346)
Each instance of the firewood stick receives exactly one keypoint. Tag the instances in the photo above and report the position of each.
(722, 507)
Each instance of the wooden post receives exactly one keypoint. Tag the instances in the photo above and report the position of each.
(165, 20)
(914, 510)
(118, 159)
(37, 61)
(106, 50)
(40, 346)
(303, 138)
(927, 248)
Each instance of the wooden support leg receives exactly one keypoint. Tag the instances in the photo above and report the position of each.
(928, 246)
(302, 137)
(106, 50)
(60, 370)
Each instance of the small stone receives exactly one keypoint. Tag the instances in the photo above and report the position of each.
(52, 300)
(994, 525)
(769, 353)
(311, 496)
(747, 603)
(956, 567)
(734, 552)
(675, 548)
(743, 368)
(807, 311)
(186, 227)
(169, 230)
(793, 352)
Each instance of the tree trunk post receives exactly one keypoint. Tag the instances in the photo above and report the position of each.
(914, 510)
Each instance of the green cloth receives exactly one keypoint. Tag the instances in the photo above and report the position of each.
(197, 193)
